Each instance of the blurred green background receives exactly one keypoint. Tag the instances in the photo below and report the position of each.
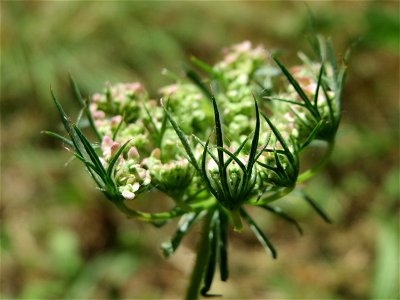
(60, 239)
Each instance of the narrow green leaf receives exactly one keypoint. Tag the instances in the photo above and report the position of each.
(183, 139)
(237, 160)
(331, 56)
(114, 137)
(297, 87)
(254, 142)
(223, 246)
(151, 120)
(317, 208)
(237, 151)
(204, 66)
(115, 158)
(67, 124)
(208, 148)
(60, 137)
(312, 135)
(279, 212)
(281, 170)
(258, 233)
(184, 225)
(204, 172)
(220, 144)
(263, 148)
(212, 259)
(195, 78)
(90, 151)
(79, 97)
(61, 112)
(321, 71)
(218, 130)
(278, 135)
(286, 101)
(273, 169)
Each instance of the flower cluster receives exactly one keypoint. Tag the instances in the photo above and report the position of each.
(213, 145)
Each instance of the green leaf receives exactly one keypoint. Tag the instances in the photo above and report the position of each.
(60, 137)
(184, 225)
(278, 135)
(204, 146)
(286, 101)
(183, 139)
(90, 151)
(114, 137)
(321, 71)
(78, 96)
(297, 87)
(220, 144)
(204, 66)
(258, 233)
(278, 211)
(254, 142)
(195, 78)
(263, 148)
(237, 160)
(67, 125)
(115, 158)
(236, 153)
(317, 208)
(312, 135)
(212, 259)
(217, 194)
(223, 245)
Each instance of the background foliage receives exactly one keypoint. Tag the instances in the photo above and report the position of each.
(60, 239)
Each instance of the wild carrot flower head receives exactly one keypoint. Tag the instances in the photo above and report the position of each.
(212, 145)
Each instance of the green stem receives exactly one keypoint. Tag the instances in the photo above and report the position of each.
(315, 169)
(200, 265)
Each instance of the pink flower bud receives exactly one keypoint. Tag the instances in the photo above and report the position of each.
(133, 153)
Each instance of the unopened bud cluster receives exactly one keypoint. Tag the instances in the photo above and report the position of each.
(155, 157)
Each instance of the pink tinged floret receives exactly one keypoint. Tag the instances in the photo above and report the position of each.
(96, 97)
(169, 89)
(98, 114)
(242, 47)
(156, 153)
(116, 120)
(134, 86)
(128, 195)
(114, 148)
(133, 153)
